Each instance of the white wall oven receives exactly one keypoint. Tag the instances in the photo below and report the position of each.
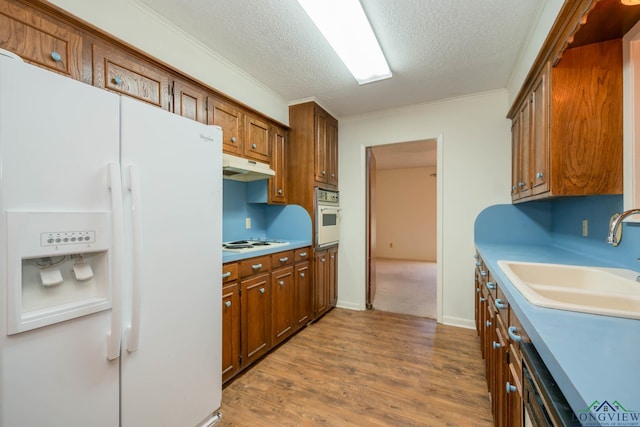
(327, 217)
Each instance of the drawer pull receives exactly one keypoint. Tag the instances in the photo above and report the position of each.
(322, 259)
(491, 285)
(482, 299)
(333, 175)
(281, 282)
(512, 334)
(279, 190)
(285, 259)
(256, 266)
(488, 323)
(483, 273)
(500, 305)
(301, 274)
(227, 304)
(117, 80)
(324, 173)
(496, 345)
(539, 175)
(262, 290)
(303, 254)
(234, 139)
(227, 274)
(476, 256)
(254, 146)
(477, 290)
(56, 56)
(478, 263)
(510, 388)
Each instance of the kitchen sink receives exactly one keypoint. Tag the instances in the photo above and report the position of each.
(596, 290)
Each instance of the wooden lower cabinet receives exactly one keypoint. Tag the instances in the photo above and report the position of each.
(265, 300)
(325, 277)
(500, 334)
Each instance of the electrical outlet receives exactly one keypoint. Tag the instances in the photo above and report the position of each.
(247, 223)
(585, 227)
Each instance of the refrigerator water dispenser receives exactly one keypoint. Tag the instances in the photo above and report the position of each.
(58, 267)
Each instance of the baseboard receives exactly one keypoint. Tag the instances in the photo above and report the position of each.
(350, 306)
(459, 322)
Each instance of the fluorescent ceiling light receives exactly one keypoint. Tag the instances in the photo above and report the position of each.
(346, 28)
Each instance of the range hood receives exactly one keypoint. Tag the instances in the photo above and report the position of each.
(239, 169)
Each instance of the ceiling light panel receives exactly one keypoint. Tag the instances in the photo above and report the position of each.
(346, 28)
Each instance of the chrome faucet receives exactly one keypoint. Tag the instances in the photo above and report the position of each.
(614, 236)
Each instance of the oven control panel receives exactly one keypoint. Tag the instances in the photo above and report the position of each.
(327, 196)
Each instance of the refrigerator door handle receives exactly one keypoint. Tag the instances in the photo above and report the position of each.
(133, 330)
(117, 250)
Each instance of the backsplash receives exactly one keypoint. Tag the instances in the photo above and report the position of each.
(558, 222)
(242, 200)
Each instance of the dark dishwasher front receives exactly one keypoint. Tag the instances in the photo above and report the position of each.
(544, 403)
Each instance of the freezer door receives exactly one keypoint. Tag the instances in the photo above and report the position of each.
(57, 136)
(171, 356)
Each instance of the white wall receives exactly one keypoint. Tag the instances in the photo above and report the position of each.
(141, 27)
(405, 210)
(474, 171)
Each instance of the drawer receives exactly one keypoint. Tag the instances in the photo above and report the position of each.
(230, 272)
(302, 254)
(282, 258)
(41, 40)
(119, 72)
(255, 265)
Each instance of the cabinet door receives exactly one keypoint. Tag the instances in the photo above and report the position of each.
(41, 40)
(332, 276)
(283, 292)
(256, 318)
(230, 330)
(524, 181)
(256, 141)
(189, 101)
(515, 414)
(277, 184)
(320, 303)
(303, 295)
(229, 119)
(122, 73)
(320, 146)
(332, 152)
(516, 158)
(540, 133)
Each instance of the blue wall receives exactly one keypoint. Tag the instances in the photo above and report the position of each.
(242, 200)
(558, 222)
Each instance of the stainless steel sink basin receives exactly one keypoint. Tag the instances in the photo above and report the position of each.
(597, 290)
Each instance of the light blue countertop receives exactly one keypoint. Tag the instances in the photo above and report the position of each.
(235, 256)
(591, 357)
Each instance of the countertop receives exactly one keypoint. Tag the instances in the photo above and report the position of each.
(237, 256)
(591, 357)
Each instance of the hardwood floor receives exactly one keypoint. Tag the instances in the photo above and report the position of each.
(369, 368)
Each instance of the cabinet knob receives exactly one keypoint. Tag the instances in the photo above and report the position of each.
(55, 56)
(324, 173)
(512, 334)
(256, 266)
(227, 304)
(279, 190)
(476, 256)
(333, 175)
(496, 345)
(488, 323)
(262, 290)
(539, 175)
(333, 256)
(117, 80)
(478, 263)
(482, 299)
(510, 388)
(491, 285)
(227, 274)
(234, 139)
(514, 188)
(281, 283)
(483, 273)
(478, 290)
(322, 259)
(521, 184)
(254, 146)
(301, 274)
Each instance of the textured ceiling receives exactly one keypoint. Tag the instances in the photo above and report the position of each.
(436, 48)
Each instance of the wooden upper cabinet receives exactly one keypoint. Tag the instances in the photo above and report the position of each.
(123, 73)
(332, 152)
(256, 141)
(278, 184)
(320, 146)
(229, 118)
(189, 101)
(40, 39)
(539, 138)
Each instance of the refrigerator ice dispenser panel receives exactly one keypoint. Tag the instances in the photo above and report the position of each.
(58, 267)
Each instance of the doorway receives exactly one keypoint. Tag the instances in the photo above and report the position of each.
(402, 191)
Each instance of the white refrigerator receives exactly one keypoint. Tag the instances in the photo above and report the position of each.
(110, 258)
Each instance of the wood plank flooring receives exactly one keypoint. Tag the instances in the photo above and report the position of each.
(370, 368)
